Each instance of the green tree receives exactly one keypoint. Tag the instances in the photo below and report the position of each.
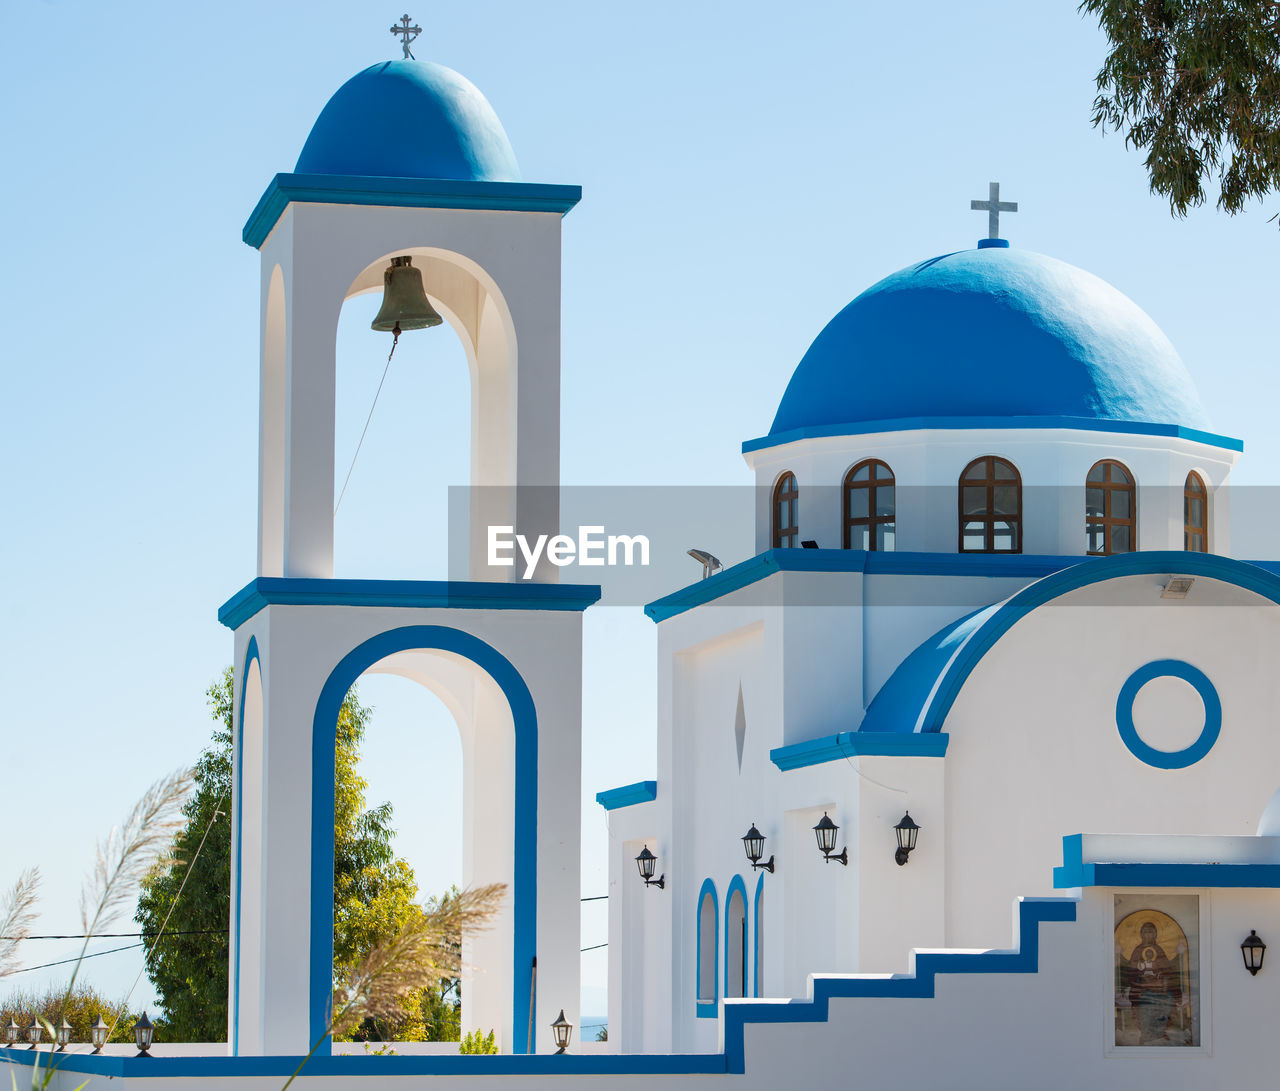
(374, 892)
(1195, 84)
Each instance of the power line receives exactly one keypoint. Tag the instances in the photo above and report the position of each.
(597, 898)
(595, 948)
(127, 935)
(63, 962)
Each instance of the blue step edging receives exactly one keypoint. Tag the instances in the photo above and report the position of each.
(1032, 912)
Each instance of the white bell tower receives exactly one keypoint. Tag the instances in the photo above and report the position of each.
(408, 158)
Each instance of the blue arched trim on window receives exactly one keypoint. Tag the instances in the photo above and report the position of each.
(251, 656)
(755, 937)
(736, 885)
(708, 1009)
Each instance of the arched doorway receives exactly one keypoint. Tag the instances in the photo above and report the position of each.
(497, 721)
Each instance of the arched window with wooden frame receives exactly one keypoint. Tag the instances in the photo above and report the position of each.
(870, 506)
(1110, 509)
(786, 512)
(1195, 514)
(990, 507)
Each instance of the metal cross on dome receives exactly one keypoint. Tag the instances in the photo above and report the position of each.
(403, 30)
(993, 206)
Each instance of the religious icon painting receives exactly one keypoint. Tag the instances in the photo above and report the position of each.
(1157, 970)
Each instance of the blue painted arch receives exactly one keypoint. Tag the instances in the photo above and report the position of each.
(737, 886)
(756, 943)
(323, 742)
(709, 1008)
(919, 695)
(989, 333)
(251, 657)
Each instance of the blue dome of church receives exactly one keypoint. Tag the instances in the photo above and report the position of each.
(409, 119)
(989, 333)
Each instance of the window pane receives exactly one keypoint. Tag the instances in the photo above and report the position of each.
(885, 500)
(1120, 504)
(1005, 538)
(1195, 543)
(1121, 539)
(1003, 471)
(883, 472)
(859, 506)
(975, 536)
(860, 537)
(862, 473)
(1098, 473)
(1095, 537)
(974, 499)
(885, 536)
(976, 471)
(1093, 503)
(1006, 499)
(1196, 515)
(1120, 474)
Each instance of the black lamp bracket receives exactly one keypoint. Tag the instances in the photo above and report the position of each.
(767, 865)
(841, 857)
(660, 882)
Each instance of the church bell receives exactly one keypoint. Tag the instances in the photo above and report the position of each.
(404, 304)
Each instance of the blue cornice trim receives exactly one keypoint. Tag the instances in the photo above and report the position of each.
(853, 744)
(1028, 566)
(1032, 912)
(1251, 577)
(361, 1066)
(911, 424)
(642, 791)
(336, 189)
(409, 594)
(1077, 872)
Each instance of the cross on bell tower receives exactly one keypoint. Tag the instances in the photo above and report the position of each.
(407, 34)
(993, 206)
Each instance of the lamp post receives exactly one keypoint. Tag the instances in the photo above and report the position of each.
(143, 1034)
(11, 1032)
(753, 843)
(825, 831)
(33, 1032)
(907, 831)
(64, 1035)
(563, 1030)
(1253, 950)
(98, 1033)
(648, 864)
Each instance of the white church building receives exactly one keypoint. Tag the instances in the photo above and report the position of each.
(963, 780)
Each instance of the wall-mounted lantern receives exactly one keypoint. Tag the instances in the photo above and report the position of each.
(98, 1033)
(64, 1035)
(144, 1034)
(12, 1032)
(825, 831)
(1253, 949)
(33, 1033)
(648, 864)
(563, 1030)
(906, 830)
(753, 843)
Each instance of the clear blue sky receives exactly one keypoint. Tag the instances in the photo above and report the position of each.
(747, 169)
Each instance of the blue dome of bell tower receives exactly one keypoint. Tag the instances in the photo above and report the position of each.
(409, 119)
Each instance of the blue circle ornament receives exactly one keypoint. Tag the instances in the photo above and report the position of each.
(1169, 759)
